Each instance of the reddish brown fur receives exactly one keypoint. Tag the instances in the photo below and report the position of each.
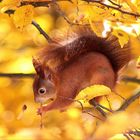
(92, 68)
(85, 61)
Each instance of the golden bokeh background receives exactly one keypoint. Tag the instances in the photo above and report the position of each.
(16, 51)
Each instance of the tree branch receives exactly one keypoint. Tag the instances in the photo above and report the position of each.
(128, 101)
(134, 132)
(130, 79)
(62, 14)
(36, 4)
(36, 25)
(113, 7)
(96, 105)
(17, 75)
(42, 31)
(40, 3)
(127, 136)
(119, 6)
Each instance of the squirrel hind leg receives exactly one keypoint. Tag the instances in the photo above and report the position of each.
(103, 79)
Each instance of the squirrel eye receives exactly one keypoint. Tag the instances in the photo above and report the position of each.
(41, 91)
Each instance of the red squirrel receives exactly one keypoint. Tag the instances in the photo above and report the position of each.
(75, 61)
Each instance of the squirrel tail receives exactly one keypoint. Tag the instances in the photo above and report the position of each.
(82, 40)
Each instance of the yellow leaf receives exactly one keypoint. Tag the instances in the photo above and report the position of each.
(23, 16)
(122, 37)
(10, 2)
(97, 27)
(131, 5)
(93, 91)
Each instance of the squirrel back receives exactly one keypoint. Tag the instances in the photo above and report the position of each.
(81, 40)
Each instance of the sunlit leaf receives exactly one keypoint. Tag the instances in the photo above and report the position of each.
(122, 37)
(97, 27)
(9, 3)
(23, 16)
(91, 92)
(131, 5)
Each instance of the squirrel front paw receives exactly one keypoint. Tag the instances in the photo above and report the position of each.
(42, 110)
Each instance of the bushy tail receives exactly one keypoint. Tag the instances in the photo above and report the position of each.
(82, 40)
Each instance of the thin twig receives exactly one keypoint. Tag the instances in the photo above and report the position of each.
(61, 13)
(92, 115)
(127, 136)
(110, 108)
(128, 101)
(130, 135)
(119, 6)
(41, 118)
(130, 79)
(17, 75)
(103, 107)
(134, 132)
(37, 27)
(42, 31)
(120, 96)
(36, 4)
(113, 7)
(39, 3)
(97, 106)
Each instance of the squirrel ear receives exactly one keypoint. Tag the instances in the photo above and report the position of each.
(38, 67)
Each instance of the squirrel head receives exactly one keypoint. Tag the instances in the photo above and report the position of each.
(43, 85)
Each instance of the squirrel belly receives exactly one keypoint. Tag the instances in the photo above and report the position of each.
(89, 69)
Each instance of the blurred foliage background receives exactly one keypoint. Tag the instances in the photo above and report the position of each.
(16, 50)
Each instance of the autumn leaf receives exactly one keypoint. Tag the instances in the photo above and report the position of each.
(9, 2)
(131, 5)
(97, 27)
(23, 16)
(91, 92)
(122, 36)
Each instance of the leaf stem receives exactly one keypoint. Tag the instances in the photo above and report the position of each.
(128, 101)
(42, 31)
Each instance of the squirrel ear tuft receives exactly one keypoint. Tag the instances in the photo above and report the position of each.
(38, 67)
